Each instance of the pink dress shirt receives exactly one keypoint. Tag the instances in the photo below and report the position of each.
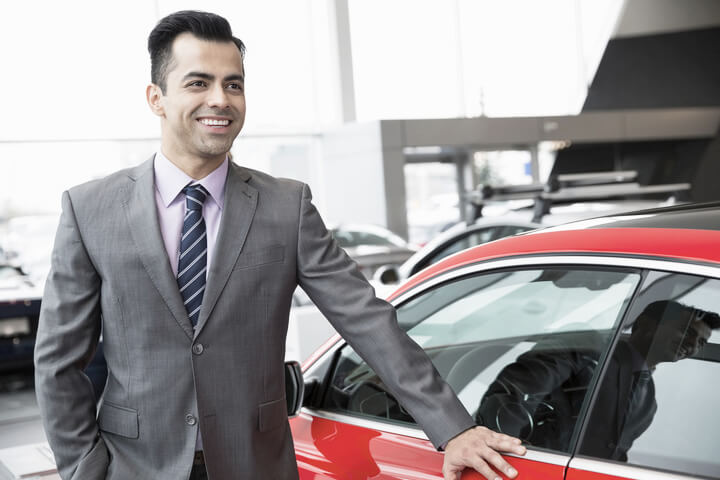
(169, 182)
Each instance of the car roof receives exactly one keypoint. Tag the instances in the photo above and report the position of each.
(698, 216)
(689, 232)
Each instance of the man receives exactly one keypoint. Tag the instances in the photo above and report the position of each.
(665, 331)
(540, 395)
(188, 263)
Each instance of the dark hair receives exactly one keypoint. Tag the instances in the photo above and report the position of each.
(204, 25)
(673, 309)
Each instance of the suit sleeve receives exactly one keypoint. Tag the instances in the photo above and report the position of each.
(67, 337)
(369, 324)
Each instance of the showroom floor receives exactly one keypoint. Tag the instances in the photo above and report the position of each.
(20, 422)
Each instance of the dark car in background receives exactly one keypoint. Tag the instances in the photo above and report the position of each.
(19, 312)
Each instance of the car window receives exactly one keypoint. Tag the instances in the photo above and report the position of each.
(512, 230)
(367, 238)
(469, 240)
(9, 273)
(656, 405)
(466, 241)
(354, 238)
(10, 278)
(344, 238)
(491, 336)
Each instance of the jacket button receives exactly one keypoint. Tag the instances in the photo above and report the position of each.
(190, 419)
(198, 348)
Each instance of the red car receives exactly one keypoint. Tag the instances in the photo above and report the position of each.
(597, 343)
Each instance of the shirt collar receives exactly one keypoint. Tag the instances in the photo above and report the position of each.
(170, 180)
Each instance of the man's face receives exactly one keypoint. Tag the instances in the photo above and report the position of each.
(679, 338)
(203, 107)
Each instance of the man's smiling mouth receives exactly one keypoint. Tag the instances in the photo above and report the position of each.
(211, 122)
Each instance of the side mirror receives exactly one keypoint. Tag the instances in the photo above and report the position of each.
(294, 388)
(387, 275)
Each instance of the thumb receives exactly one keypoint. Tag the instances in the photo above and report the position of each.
(449, 474)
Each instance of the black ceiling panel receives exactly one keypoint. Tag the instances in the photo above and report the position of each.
(666, 70)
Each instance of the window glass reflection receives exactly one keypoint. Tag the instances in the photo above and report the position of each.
(659, 386)
(520, 348)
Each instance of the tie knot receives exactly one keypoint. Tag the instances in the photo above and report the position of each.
(195, 196)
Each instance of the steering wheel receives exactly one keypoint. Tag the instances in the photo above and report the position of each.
(518, 415)
(372, 399)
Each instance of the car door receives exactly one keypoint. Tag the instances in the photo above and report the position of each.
(486, 331)
(655, 412)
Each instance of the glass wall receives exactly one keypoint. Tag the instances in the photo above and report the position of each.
(465, 58)
(79, 109)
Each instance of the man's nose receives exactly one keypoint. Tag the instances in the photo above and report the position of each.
(217, 97)
(695, 340)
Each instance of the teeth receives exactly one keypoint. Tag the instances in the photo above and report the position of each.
(209, 121)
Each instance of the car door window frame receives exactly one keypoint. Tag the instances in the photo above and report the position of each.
(318, 371)
(387, 424)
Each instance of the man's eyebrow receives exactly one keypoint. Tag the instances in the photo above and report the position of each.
(206, 76)
(235, 76)
(202, 75)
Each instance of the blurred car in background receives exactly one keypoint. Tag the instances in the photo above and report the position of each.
(456, 238)
(372, 246)
(486, 229)
(502, 211)
(19, 313)
(597, 343)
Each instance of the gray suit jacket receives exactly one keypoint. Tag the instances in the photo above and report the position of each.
(110, 271)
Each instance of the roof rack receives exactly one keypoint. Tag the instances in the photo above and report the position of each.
(573, 187)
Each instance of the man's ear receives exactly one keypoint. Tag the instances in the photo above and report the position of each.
(154, 98)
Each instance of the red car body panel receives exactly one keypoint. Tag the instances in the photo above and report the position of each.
(326, 449)
(678, 244)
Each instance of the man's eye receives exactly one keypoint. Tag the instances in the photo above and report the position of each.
(235, 86)
(196, 83)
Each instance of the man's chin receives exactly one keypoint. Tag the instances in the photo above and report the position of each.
(214, 150)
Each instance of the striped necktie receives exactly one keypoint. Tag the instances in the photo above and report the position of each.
(192, 263)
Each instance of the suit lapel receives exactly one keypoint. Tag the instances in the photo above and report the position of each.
(238, 211)
(145, 230)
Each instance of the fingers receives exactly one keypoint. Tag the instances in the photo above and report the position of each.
(478, 448)
(497, 461)
(505, 443)
(500, 442)
(451, 475)
(484, 469)
(477, 463)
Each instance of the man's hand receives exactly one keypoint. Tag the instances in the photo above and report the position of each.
(478, 448)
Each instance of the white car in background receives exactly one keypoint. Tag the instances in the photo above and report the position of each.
(486, 229)
(27, 241)
(453, 240)
(372, 246)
